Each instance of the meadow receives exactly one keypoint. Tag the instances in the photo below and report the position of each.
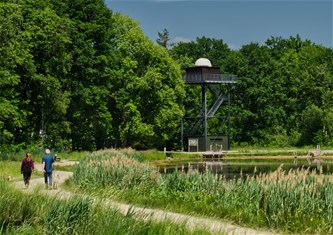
(294, 201)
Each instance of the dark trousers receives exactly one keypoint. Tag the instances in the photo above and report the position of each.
(48, 178)
(26, 176)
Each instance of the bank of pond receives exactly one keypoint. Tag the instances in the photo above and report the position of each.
(281, 199)
(287, 196)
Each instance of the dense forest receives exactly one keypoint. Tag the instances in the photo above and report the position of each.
(74, 75)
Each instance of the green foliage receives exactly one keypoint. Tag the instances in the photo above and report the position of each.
(76, 76)
(12, 51)
(163, 38)
(148, 90)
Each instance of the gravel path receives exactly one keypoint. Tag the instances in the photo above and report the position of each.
(215, 226)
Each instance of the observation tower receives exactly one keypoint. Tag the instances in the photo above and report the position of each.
(194, 130)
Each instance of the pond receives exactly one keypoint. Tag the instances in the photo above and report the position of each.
(231, 168)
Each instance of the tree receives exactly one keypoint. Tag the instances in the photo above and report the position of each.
(41, 80)
(75, 75)
(90, 76)
(257, 95)
(13, 51)
(147, 90)
(163, 38)
(213, 49)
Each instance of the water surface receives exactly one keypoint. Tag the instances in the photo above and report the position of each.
(244, 167)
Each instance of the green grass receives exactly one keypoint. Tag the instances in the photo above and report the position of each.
(151, 155)
(285, 201)
(64, 168)
(38, 214)
(73, 156)
(38, 154)
(10, 168)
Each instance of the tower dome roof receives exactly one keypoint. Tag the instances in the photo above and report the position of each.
(203, 62)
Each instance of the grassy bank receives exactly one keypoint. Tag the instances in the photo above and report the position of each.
(298, 201)
(285, 201)
(39, 214)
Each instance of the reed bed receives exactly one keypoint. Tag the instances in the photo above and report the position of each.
(117, 169)
(296, 201)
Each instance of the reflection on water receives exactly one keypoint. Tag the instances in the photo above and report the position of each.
(237, 168)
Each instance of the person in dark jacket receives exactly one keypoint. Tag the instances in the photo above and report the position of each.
(47, 162)
(27, 167)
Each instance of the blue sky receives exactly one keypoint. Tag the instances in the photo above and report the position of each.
(237, 22)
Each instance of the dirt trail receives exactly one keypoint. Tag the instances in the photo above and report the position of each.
(215, 226)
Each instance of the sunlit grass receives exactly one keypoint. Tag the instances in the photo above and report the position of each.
(64, 168)
(10, 169)
(151, 155)
(39, 214)
(72, 156)
(279, 200)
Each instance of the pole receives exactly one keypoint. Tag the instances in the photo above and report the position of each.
(204, 114)
(228, 87)
(182, 134)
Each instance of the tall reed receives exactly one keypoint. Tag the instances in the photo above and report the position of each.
(118, 169)
(294, 201)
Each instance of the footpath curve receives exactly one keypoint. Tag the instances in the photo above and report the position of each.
(215, 226)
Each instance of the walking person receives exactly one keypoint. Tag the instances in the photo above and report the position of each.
(47, 161)
(27, 167)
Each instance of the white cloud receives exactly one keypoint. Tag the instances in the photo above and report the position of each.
(180, 39)
(233, 46)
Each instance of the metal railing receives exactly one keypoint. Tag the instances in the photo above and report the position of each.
(210, 78)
